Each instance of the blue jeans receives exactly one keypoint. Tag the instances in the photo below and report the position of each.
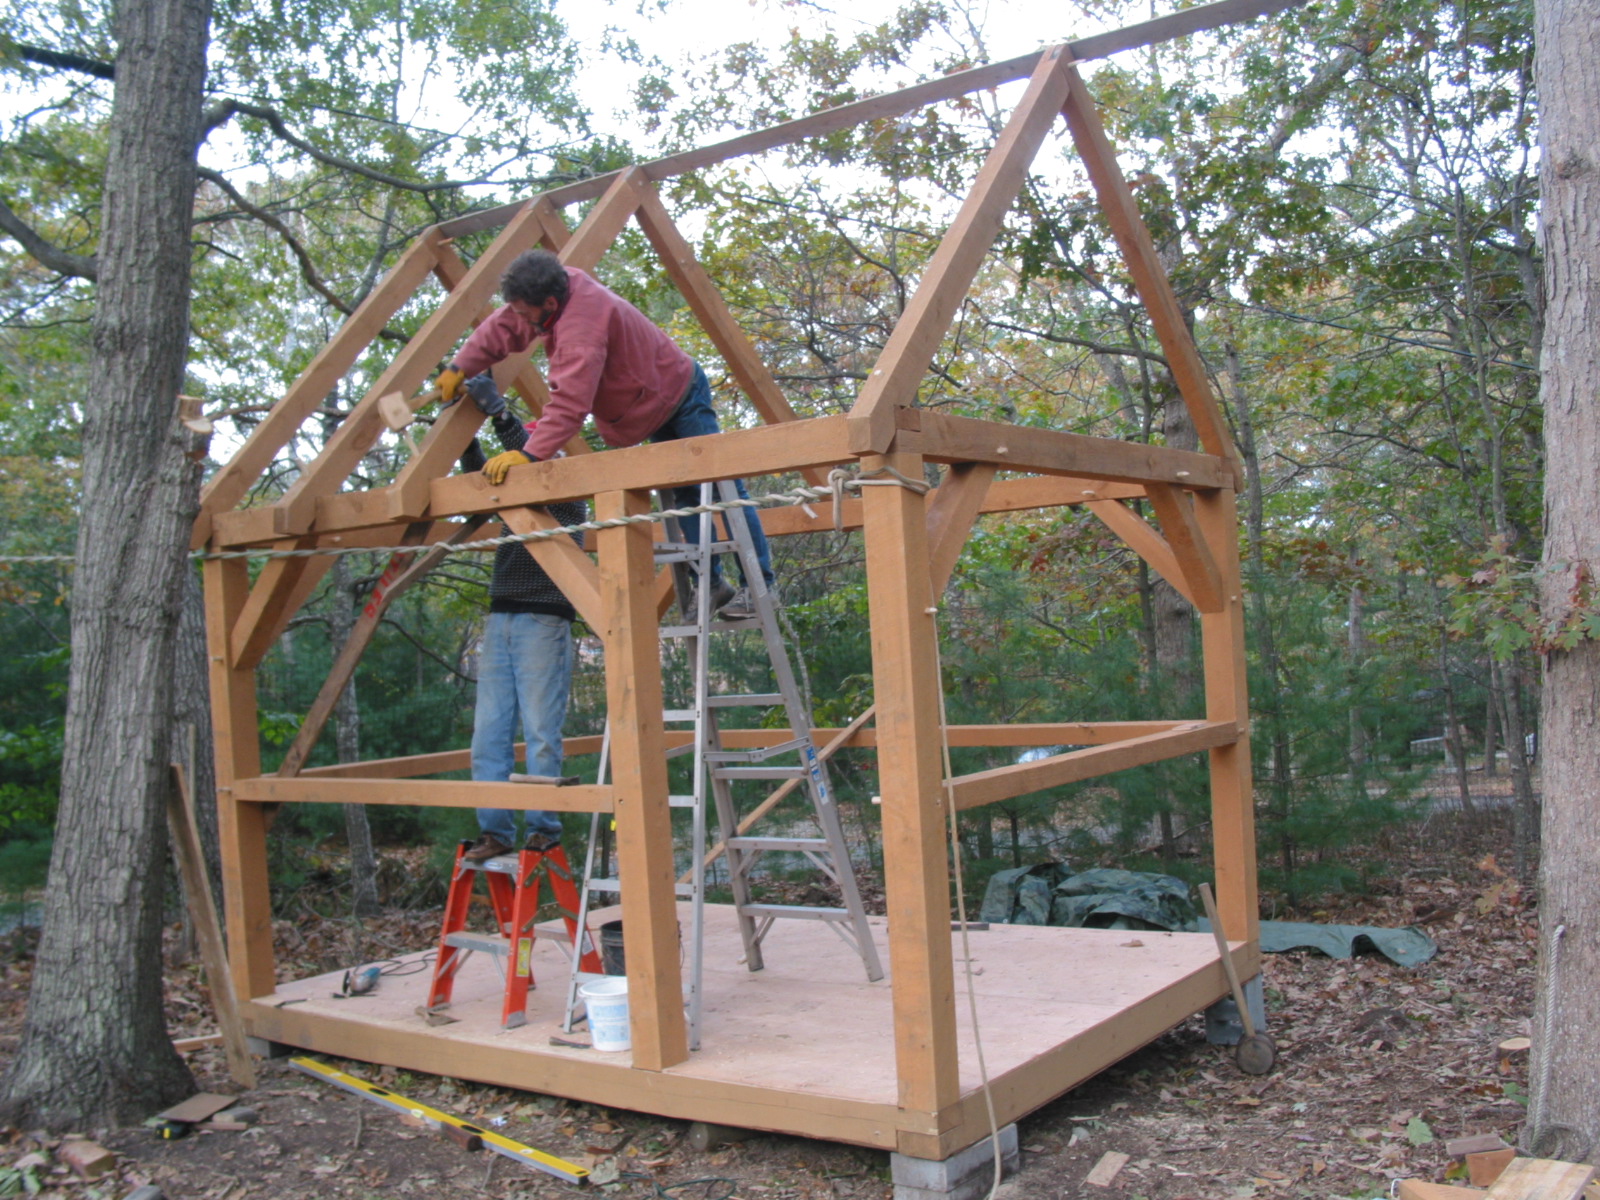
(694, 418)
(524, 670)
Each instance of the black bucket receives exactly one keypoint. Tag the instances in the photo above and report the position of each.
(611, 958)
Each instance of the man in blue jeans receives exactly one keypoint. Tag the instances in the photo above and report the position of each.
(606, 360)
(524, 662)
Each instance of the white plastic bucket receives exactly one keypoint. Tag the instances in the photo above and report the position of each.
(607, 1003)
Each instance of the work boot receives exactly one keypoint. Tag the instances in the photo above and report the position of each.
(542, 842)
(721, 592)
(486, 847)
(743, 605)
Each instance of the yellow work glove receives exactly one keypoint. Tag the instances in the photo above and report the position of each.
(449, 383)
(496, 468)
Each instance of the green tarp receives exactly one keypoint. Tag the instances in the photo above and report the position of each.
(1104, 898)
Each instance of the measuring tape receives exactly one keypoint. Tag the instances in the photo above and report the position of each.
(526, 1155)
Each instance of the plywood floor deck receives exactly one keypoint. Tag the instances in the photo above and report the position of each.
(804, 1046)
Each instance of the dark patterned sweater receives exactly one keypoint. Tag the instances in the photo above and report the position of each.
(519, 584)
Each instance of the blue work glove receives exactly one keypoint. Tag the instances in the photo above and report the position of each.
(485, 395)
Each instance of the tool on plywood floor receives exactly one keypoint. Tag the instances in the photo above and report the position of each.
(717, 770)
(513, 881)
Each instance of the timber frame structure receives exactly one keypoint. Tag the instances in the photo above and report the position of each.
(925, 1100)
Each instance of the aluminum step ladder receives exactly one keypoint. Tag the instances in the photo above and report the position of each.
(717, 770)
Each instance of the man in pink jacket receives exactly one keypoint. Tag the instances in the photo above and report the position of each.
(607, 360)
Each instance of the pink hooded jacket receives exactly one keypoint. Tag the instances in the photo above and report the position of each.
(606, 358)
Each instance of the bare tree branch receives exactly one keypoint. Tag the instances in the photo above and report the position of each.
(80, 266)
(65, 59)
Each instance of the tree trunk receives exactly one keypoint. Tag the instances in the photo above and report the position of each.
(1564, 1077)
(347, 737)
(1491, 727)
(94, 1048)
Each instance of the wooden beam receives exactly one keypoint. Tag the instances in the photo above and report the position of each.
(1222, 642)
(229, 485)
(916, 874)
(241, 828)
(1143, 541)
(569, 568)
(1149, 276)
(1004, 783)
(401, 571)
(711, 310)
(1175, 511)
(433, 342)
(948, 275)
(424, 793)
(965, 439)
(208, 930)
(893, 104)
(952, 508)
(639, 783)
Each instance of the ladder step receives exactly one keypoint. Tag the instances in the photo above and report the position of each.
(758, 755)
(614, 887)
(737, 773)
(687, 552)
(680, 801)
(802, 911)
(504, 864)
(801, 845)
(765, 699)
(487, 943)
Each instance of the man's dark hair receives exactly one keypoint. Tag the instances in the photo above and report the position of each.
(533, 277)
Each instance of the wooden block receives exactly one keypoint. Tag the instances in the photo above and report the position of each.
(1106, 1169)
(1418, 1189)
(1474, 1144)
(1486, 1166)
(1541, 1179)
(465, 1137)
(88, 1160)
(196, 1108)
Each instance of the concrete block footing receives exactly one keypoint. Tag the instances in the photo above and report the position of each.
(966, 1175)
(1223, 1027)
(262, 1048)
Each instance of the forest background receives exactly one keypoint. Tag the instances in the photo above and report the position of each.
(1344, 196)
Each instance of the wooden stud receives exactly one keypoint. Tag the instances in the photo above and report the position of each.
(439, 333)
(1486, 1166)
(1541, 1179)
(1420, 1189)
(1143, 541)
(711, 310)
(891, 104)
(203, 912)
(229, 485)
(1227, 700)
(916, 875)
(1144, 265)
(1018, 779)
(900, 368)
(639, 782)
(241, 828)
(1176, 514)
(953, 507)
(943, 438)
(423, 793)
(569, 568)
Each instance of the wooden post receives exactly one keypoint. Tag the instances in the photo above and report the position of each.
(639, 782)
(1232, 796)
(911, 773)
(241, 826)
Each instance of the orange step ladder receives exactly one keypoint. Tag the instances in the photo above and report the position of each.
(514, 885)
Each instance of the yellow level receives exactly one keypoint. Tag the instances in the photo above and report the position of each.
(527, 1155)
